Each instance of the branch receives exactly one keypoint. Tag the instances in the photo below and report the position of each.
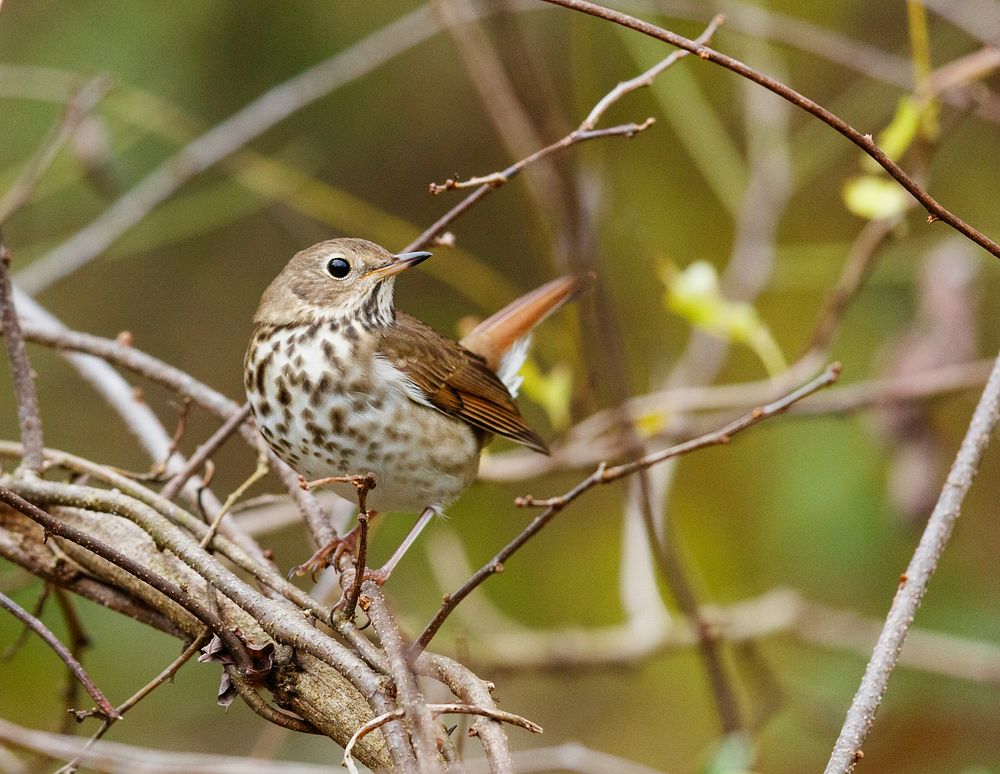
(582, 133)
(913, 584)
(604, 475)
(436, 709)
(204, 452)
(104, 706)
(75, 110)
(117, 757)
(260, 571)
(587, 442)
(28, 415)
(412, 705)
(864, 141)
(226, 138)
(172, 378)
(171, 590)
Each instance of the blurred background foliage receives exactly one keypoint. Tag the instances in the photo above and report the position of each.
(800, 502)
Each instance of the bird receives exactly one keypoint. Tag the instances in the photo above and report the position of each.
(341, 383)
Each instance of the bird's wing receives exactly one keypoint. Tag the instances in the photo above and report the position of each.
(454, 380)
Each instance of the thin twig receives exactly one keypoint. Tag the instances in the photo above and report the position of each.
(224, 139)
(76, 109)
(857, 268)
(436, 709)
(11, 650)
(353, 593)
(28, 415)
(104, 706)
(78, 642)
(202, 454)
(582, 133)
(605, 474)
(913, 584)
(864, 141)
(138, 696)
(259, 472)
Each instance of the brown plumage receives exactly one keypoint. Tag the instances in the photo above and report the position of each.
(455, 380)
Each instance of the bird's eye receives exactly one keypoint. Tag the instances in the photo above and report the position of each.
(338, 268)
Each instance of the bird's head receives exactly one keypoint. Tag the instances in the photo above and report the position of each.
(347, 279)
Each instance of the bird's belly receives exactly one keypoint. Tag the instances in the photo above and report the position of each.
(356, 422)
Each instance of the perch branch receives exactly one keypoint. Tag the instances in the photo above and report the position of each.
(436, 709)
(412, 706)
(171, 590)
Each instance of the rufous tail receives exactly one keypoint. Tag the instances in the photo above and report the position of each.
(494, 336)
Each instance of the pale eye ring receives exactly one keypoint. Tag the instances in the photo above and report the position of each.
(338, 268)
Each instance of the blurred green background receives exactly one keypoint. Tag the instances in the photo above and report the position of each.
(799, 502)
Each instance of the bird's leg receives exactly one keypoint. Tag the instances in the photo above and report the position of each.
(381, 575)
(329, 555)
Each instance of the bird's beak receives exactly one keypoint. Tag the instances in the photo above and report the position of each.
(399, 263)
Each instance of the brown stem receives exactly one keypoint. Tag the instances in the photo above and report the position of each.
(28, 415)
(204, 452)
(8, 604)
(171, 590)
(582, 133)
(604, 475)
(864, 141)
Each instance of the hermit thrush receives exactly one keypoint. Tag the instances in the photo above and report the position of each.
(342, 383)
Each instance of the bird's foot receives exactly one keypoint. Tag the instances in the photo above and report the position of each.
(329, 555)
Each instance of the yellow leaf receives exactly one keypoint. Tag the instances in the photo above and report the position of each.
(552, 391)
(897, 137)
(875, 197)
(696, 295)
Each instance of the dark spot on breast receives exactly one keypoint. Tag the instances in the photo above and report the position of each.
(264, 409)
(317, 432)
(261, 369)
(284, 396)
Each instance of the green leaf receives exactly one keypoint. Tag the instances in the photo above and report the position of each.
(695, 295)
(899, 135)
(875, 197)
(734, 755)
(552, 391)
